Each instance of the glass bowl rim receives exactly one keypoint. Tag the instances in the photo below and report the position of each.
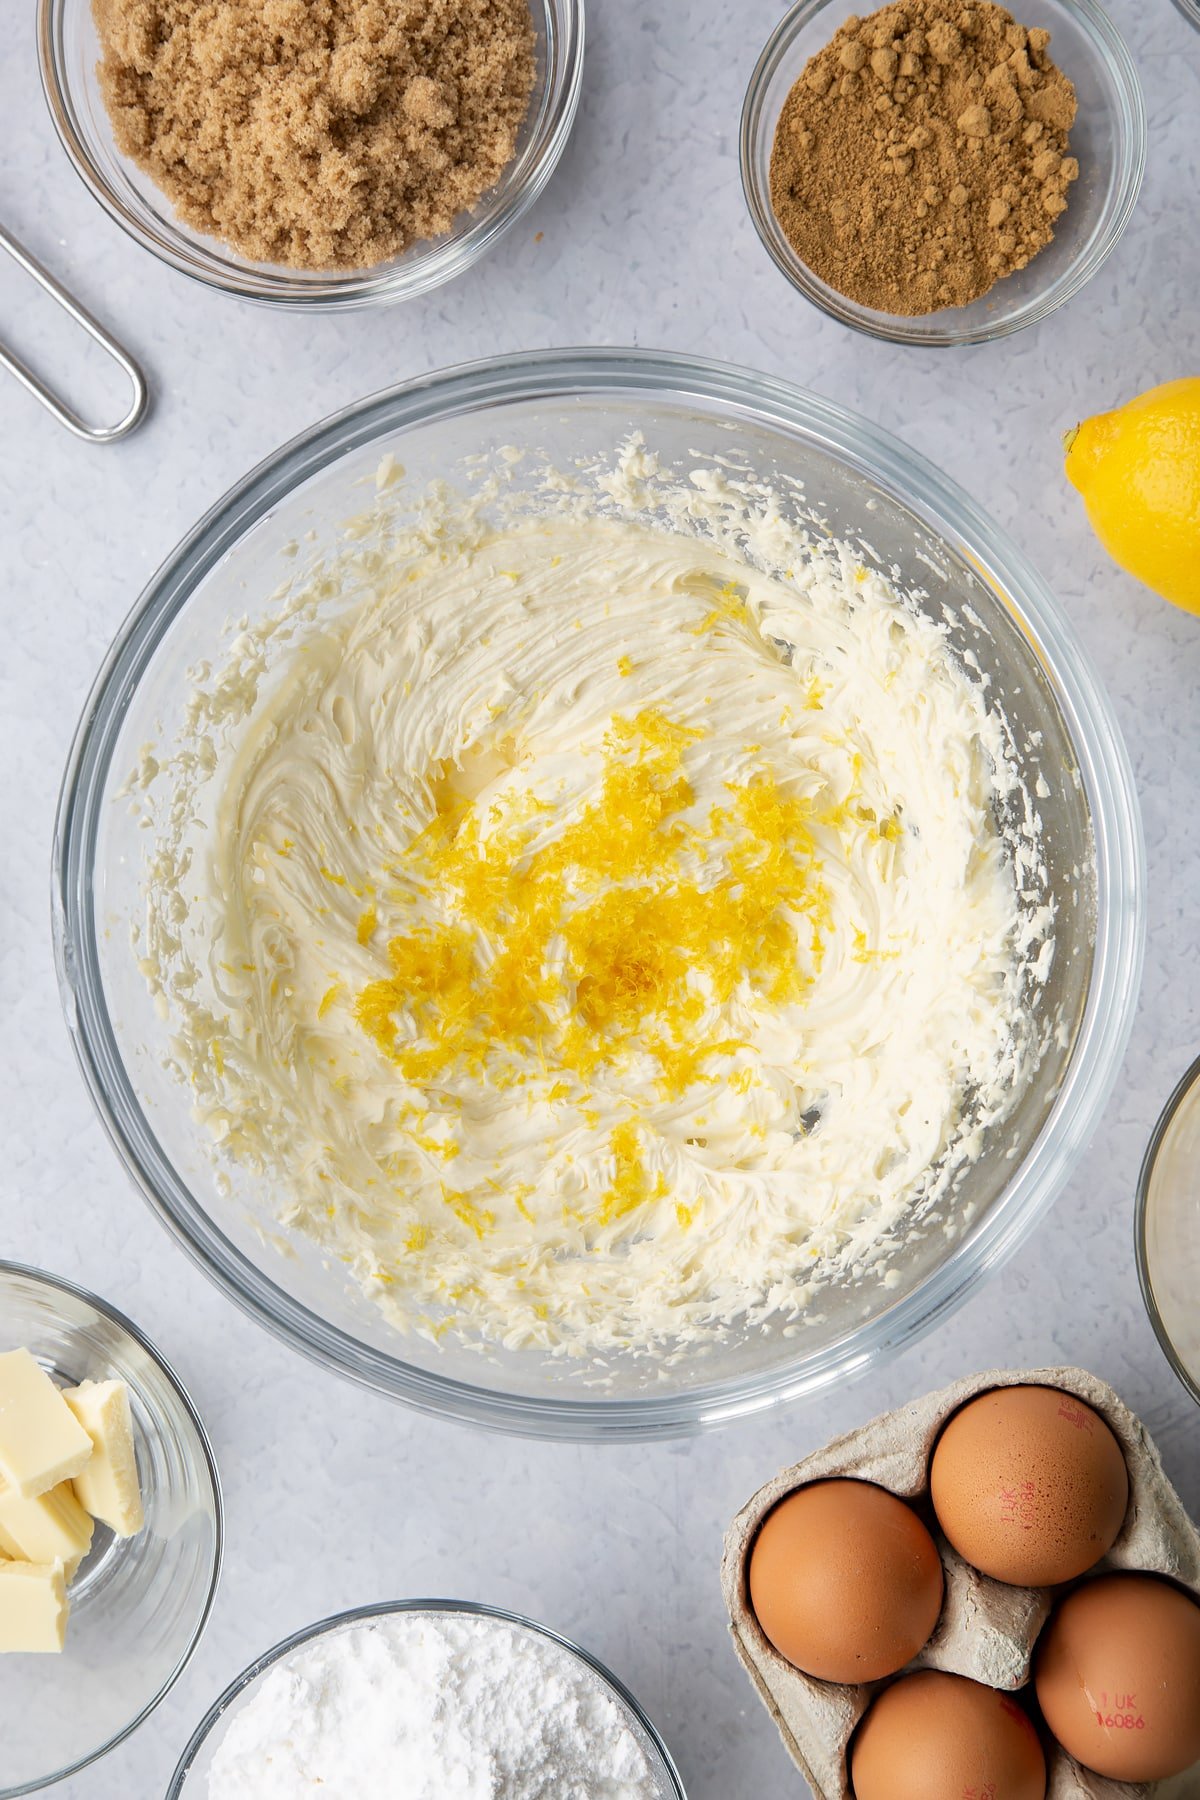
(1191, 11)
(896, 328)
(59, 1284)
(477, 1609)
(443, 260)
(1166, 1118)
(559, 375)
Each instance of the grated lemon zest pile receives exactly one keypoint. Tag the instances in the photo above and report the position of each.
(614, 937)
(612, 940)
(731, 604)
(631, 1186)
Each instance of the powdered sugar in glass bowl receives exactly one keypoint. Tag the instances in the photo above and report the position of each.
(432, 1696)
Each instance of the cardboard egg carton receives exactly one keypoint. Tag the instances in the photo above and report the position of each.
(987, 1630)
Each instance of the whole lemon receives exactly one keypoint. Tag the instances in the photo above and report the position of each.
(1138, 469)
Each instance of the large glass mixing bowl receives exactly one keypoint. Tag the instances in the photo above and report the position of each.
(858, 484)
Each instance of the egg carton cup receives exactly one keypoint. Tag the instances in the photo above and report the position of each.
(987, 1630)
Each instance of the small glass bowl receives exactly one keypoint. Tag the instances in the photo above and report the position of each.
(1168, 1230)
(1108, 137)
(1191, 11)
(68, 51)
(140, 1604)
(190, 1781)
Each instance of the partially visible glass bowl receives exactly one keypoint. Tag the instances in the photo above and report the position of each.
(68, 49)
(576, 408)
(190, 1781)
(139, 1604)
(1168, 1230)
(1108, 137)
(1191, 11)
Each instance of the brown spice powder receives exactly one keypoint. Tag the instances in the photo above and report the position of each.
(318, 133)
(922, 154)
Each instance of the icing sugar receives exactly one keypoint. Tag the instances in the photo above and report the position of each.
(429, 1708)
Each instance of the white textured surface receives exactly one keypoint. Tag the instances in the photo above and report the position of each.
(426, 1707)
(334, 1497)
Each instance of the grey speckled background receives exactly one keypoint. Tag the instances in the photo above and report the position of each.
(334, 1497)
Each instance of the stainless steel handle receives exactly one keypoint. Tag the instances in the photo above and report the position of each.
(33, 384)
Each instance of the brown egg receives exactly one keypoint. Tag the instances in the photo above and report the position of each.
(932, 1736)
(845, 1581)
(1117, 1673)
(1029, 1485)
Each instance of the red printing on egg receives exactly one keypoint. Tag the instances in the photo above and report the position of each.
(1074, 1414)
(1018, 1506)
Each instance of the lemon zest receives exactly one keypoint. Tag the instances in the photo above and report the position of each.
(610, 941)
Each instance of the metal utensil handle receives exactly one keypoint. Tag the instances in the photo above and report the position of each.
(33, 384)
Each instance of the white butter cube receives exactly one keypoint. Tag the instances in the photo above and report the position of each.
(33, 1606)
(50, 1528)
(41, 1441)
(108, 1486)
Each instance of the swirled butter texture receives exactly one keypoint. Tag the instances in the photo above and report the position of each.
(608, 930)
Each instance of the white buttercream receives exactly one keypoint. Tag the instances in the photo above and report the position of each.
(485, 655)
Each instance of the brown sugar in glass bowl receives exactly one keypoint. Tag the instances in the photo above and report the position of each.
(70, 54)
(923, 154)
(1108, 138)
(318, 133)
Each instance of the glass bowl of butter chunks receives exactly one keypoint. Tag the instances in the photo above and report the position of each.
(110, 1529)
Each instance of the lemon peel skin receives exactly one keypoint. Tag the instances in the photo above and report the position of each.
(1138, 471)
